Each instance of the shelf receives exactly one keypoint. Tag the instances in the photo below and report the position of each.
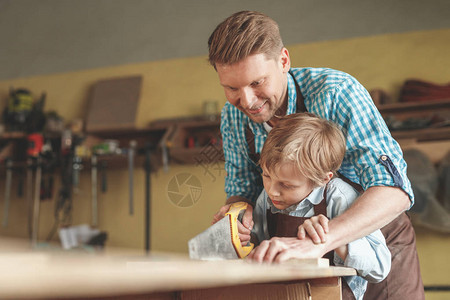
(190, 140)
(427, 111)
(142, 135)
(195, 141)
(401, 107)
(423, 135)
(13, 135)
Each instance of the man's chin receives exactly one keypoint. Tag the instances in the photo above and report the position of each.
(258, 118)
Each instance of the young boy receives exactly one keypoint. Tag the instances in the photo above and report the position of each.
(299, 161)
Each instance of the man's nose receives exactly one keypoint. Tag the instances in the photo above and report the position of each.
(247, 98)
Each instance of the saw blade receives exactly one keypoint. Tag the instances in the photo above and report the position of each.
(215, 243)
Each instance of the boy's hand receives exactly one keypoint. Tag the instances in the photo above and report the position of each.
(316, 228)
(244, 227)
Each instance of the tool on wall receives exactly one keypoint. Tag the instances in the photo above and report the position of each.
(35, 144)
(165, 145)
(131, 153)
(77, 167)
(63, 204)
(148, 169)
(94, 190)
(20, 103)
(104, 179)
(9, 164)
(49, 161)
(29, 195)
(20, 182)
(37, 201)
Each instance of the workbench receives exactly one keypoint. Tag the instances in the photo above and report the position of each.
(47, 274)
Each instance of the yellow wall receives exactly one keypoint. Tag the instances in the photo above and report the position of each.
(177, 88)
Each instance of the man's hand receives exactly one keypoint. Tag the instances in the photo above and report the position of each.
(244, 227)
(281, 249)
(316, 228)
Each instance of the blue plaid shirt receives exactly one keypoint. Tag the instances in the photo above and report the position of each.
(372, 158)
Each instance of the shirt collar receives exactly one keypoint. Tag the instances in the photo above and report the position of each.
(316, 195)
(314, 198)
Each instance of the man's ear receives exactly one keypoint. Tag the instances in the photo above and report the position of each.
(328, 177)
(285, 60)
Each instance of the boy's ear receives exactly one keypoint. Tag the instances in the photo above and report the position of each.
(328, 177)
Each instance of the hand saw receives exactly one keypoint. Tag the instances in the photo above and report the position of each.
(221, 240)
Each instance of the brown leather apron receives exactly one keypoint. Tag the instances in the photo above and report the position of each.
(404, 280)
(281, 225)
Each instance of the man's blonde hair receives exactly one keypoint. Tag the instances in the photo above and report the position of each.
(315, 145)
(242, 34)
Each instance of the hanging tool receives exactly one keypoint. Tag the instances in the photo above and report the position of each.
(131, 153)
(20, 104)
(63, 202)
(9, 165)
(165, 144)
(20, 183)
(48, 165)
(103, 166)
(29, 195)
(35, 144)
(37, 201)
(94, 190)
(77, 166)
(221, 240)
(148, 206)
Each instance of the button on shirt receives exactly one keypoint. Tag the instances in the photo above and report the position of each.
(373, 157)
(369, 255)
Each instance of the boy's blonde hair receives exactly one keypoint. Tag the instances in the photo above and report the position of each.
(242, 34)
(315, 145)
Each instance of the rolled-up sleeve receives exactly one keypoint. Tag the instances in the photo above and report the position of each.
(369, 141)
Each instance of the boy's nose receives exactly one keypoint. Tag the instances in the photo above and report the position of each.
(273, 191)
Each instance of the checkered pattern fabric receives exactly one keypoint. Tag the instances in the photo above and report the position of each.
(373, 157)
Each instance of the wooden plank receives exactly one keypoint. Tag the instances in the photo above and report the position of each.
(399, 107)
(113, 104)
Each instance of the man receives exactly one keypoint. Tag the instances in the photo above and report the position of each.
(254, 69)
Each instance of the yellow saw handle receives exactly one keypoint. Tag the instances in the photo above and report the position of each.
(233, 214)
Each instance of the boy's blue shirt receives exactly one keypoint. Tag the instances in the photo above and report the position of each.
(369, 255)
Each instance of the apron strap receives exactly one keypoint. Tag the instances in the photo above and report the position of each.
(250, 138)
(321, 208)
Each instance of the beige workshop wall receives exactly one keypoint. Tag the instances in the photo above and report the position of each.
(178, 87)
(383, 61)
